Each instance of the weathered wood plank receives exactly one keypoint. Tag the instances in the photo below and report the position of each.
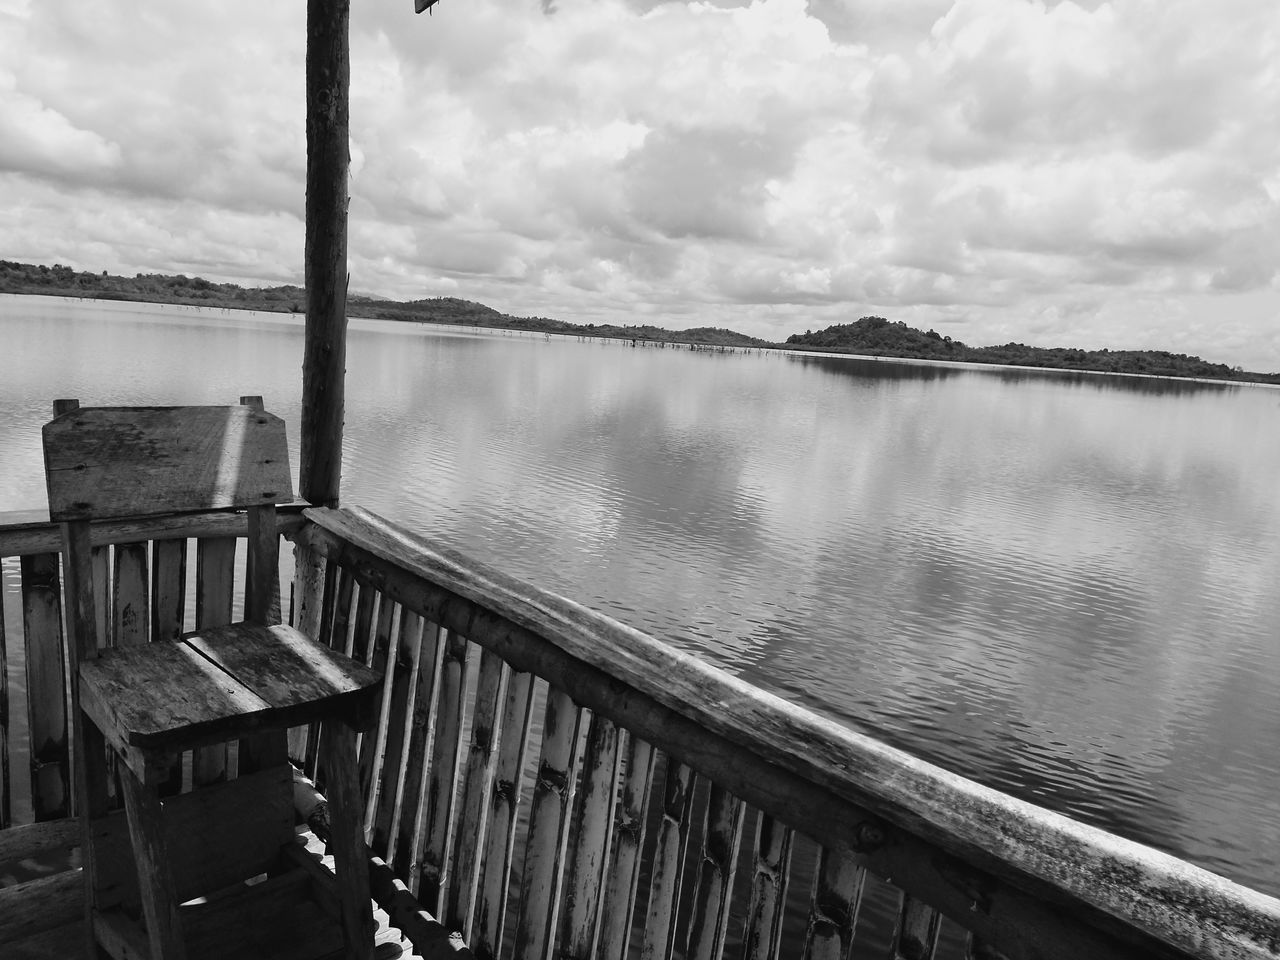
(482, 760)
(46, 690)
(42, 904)
(169, 589)
(140, 461)
(838, 881)
(215, 581)
(589, 844)
(721, 836)
(100, 567)
(438, 812)
(623, 879)
(215, 836)
(549, 814)
(916, 934)
(350, 853)
(156, 889)
(1047, 879)
(131, 596)
(44, 537)
(500, 836)
(762, 936)
(668, 863)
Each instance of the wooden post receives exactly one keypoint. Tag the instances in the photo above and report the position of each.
(328, 156)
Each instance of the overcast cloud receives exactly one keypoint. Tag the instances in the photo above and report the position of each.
(1083, 174)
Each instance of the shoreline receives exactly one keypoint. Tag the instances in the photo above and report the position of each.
(644, 342)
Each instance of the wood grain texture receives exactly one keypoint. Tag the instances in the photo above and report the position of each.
(215, 836)
(410, 837)
(590, 842)
(131, 596)
(446, 756)
(916, 935)
(477, 787)
(106, 462)
(6, 794)
(215, 581)
(351, 856)
(220, 683)
(169, 589)
(762, 935)
(1027, 861)
(667, 877)
(17, 539)
(328, 158)
(548, 837)
(721, 836)
(46, 689)
(150, 852)
(489, 923)
(623, 878)
(838, 881)
(404, 702)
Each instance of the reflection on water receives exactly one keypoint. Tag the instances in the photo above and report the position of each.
(1061, 584)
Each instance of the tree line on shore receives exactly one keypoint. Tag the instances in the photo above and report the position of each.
(869, 336)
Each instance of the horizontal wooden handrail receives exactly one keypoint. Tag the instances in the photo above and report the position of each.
(25, 534)
(1011, 871)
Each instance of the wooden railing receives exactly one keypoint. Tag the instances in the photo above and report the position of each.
(549, 782)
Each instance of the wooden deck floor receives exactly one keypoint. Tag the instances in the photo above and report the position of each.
(59, 897)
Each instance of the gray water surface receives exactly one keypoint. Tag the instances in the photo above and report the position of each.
(1065, 586)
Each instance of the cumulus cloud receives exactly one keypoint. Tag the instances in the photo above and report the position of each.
(1080, 172)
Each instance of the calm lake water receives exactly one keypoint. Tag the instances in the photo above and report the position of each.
(1065, 586)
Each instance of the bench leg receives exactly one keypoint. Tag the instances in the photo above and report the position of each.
(351, 856)
(142, 807)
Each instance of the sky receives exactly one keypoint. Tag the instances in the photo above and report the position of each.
(1062, 174)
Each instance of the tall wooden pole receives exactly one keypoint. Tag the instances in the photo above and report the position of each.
(328, 156)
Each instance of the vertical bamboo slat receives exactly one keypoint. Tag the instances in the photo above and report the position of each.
(215, 581)
(438, 810)
(500, 837)
(833, 915)
(548, 837)
(132, 590)
(421, 746)
(366, 602)
(721, 837)
(46, 700)
(373, 760)
(916, 936)
(590, 843)
(482, 759)
(762, 935)
(404, 698)
(668, 861)
(309, 577)
(623, 878)
(6, 797)
(169, 589)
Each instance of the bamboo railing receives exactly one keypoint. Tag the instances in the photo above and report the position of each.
(548, 782)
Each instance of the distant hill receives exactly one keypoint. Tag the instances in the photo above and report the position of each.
(878, 337)
(870, 336)
(62, 281)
